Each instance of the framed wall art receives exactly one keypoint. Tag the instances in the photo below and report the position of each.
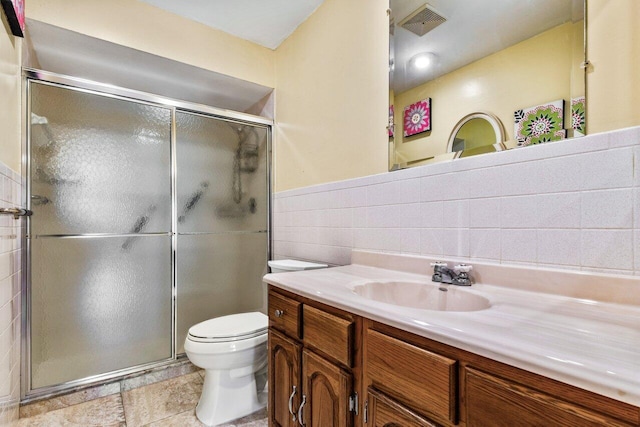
(578, 116)
(417, 117)
(539, 124)
(14, 9)
(391, 122)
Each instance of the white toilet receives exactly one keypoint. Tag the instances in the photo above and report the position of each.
(233, 352)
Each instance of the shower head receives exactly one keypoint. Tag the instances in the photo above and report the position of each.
(44, 122)
(38, 120)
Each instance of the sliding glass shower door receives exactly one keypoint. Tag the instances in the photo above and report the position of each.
(147, 219)
(100, 234)
(222, 218)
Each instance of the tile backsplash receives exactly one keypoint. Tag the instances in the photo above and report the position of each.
(572, 204)
(10, 296)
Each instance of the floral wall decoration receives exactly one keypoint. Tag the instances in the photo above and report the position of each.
(417, 117)
(391, 126)
(14, 9)
(539, 124)
(578, 116)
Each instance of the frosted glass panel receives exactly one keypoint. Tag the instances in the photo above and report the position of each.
(98, 164)
(103, 165)
(218, 274)
(222, 183)
(99, 304)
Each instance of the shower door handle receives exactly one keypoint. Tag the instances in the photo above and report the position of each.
(16, 212)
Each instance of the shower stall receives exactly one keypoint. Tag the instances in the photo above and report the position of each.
(149, 215)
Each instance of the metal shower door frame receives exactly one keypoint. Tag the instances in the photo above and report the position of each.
(110, 91)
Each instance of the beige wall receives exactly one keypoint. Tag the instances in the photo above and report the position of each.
(613, 46)
(10, 95)
(141, 26)
(332, 86)
(499, 84)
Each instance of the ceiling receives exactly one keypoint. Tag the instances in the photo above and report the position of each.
(473, 30)
(265, 22)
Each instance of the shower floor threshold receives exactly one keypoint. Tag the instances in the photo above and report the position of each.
(81, 394)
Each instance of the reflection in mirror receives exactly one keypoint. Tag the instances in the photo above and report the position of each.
(477, 133)
(520, 62)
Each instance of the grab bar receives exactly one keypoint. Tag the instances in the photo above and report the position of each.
(16, 212)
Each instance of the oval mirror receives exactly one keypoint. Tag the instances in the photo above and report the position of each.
(477, 133)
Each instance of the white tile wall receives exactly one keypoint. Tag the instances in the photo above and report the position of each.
(636, 244)
(607, 209)
(573, 204)
(484, 244)
(10, 297)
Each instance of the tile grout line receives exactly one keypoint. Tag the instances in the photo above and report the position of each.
(124, 411)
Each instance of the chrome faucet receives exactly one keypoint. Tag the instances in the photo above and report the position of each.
(458, 276)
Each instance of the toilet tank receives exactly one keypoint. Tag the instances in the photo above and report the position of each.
(284, 265)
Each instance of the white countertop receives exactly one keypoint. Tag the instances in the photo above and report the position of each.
(586, 343)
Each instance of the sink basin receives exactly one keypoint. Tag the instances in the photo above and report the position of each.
(425, 296)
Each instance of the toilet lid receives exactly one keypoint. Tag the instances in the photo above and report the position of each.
(230, 328)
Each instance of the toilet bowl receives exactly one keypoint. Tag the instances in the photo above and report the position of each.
(233, 352)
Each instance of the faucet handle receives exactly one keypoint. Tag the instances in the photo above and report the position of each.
(437, 270)
(462, 268)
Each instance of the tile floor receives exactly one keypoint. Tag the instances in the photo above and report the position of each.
(166, 403)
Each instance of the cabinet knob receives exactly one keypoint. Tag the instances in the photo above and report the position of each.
(279, 313)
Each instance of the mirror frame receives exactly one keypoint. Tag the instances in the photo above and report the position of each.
(495, 123)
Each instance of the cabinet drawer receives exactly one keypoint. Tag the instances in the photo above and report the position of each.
(284, 314)
(386, 412)
(329, 334)
(517, 405)
(422, 380)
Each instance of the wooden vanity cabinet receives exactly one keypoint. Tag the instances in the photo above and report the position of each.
(404, 380)
(427, 383)
(312, 348)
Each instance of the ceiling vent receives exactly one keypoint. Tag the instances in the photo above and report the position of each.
(422, 20)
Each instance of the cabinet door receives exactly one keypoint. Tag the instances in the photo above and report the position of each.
(284, 379)
(326, 390)
(493, 401)
(384, 412)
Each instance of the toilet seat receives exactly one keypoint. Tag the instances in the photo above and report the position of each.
(234, 327)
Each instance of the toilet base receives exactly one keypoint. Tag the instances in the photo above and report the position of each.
(229, 395)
